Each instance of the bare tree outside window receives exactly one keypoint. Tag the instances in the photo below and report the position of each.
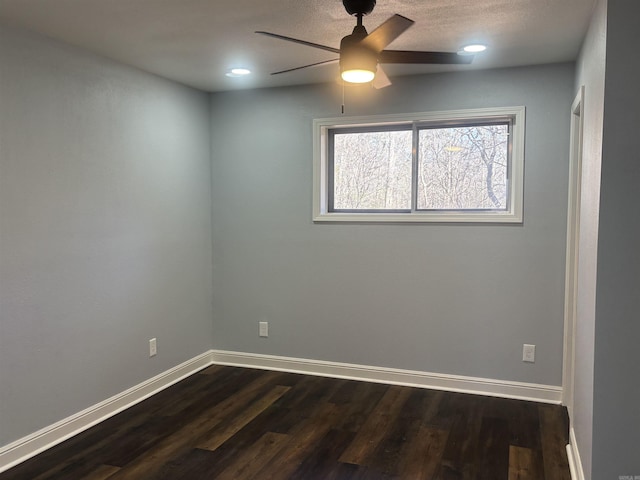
(372, 170)
(463, 168)
(458, 168)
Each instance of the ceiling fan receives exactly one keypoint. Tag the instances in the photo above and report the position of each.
(361, 53)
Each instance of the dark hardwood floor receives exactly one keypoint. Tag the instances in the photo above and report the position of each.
(236, 423)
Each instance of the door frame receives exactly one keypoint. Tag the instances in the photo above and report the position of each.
(572, 250)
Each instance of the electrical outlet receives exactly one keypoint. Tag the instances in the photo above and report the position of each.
(264, 329)
(153, 347)
(528, 353)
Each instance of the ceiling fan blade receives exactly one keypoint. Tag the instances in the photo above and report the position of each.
(381, 80)
(305, 66)
(301, 42)
(408, 56)
(386, 33)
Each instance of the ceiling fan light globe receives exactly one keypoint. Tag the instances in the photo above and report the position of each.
(357, 64)
(358, 76)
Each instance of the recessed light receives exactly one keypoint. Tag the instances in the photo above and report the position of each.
(238, 72)
(472, 48)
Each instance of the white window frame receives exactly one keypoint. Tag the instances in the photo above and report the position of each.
(512, 214)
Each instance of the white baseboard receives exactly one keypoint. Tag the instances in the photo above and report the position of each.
(573, 455)
(31, 445)
(453, 383)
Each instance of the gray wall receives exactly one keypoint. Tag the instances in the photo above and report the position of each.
(616, 404)
(439, 298)
(590, 72)
(606, 415)
(105, 229)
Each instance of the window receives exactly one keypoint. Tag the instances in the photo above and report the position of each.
(460, 166)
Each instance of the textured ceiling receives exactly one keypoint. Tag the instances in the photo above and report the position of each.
(196, 41)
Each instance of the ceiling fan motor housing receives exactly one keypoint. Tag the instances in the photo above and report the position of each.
(354, 55)
(359, 7)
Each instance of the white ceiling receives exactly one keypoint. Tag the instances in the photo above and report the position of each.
(196, 41)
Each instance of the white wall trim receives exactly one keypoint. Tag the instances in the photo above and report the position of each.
(572, 250)
(29, 446)
(412, 378)
(575, 462)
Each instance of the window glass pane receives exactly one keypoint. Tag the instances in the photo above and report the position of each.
(372, 170)
(463, 168)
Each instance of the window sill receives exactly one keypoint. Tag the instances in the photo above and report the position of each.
(439, 217)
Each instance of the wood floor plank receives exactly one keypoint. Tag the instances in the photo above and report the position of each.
(341, 471)
(364, 399)
(102, 472)
(462, 416)
(252, 462)
(553, 432)
(346, 392)
(191, 464)
(422, 457)
(134, 440)
(237, 422)
(376, 426)
(147, 463)
(129, 432)
(432, 400)
(459, 470)
(492, 458)
(323, 460)
(149, 427)
(372, 473)
(523, 424)
(212, 370)
(388, 454)
(310, 392)
(212, 388)
(302, 442)
(521, 464)
(275, 419)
